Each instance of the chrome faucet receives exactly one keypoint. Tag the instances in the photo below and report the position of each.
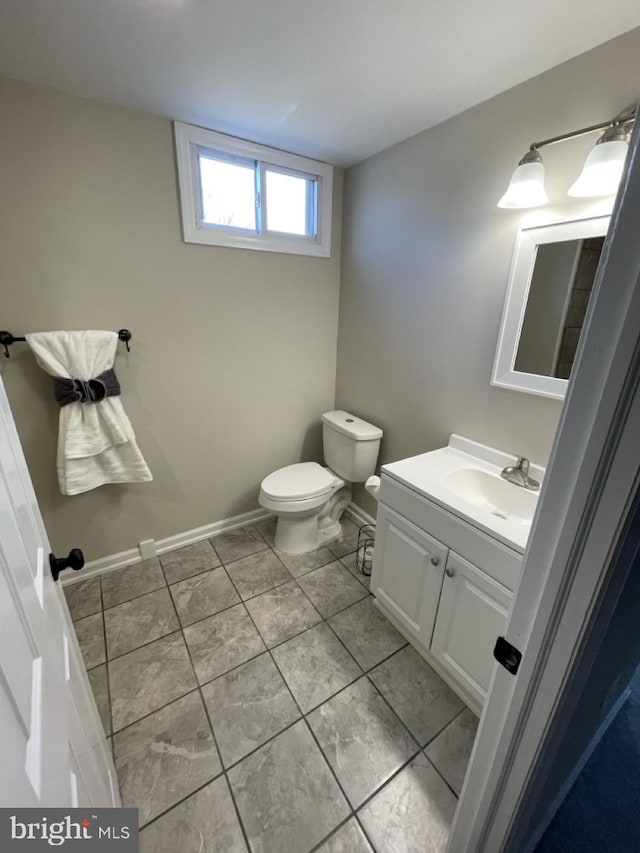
(518, 474)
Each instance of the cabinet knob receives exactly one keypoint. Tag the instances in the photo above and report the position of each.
(435, 561)
(449, 573)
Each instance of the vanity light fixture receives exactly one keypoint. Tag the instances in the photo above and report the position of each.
(603, 167)
(600, 175)
(526, 188)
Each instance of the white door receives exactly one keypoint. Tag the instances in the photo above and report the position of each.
(54, 751)
(472, 614)
(407, 573)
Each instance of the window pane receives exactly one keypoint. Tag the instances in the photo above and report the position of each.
(228, 193)
(288, 201)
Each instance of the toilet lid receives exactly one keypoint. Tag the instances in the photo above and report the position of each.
(296, 482)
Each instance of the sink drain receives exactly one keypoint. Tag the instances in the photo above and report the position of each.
(499, 514)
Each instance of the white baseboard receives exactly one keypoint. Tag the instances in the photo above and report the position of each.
(132, 555)
(359, 515)
(178, 540)
(569, 782)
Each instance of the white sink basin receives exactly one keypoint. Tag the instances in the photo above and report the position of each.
(464, 478)
(484, 490)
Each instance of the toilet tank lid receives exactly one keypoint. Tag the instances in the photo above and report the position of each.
(352, 426)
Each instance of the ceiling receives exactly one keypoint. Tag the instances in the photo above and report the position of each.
(337, 80)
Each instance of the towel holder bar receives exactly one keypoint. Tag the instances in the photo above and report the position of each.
(6, 339)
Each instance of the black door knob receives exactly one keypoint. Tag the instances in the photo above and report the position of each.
(74, 561)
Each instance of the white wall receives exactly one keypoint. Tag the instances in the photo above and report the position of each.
(234, 351)
(426, 257)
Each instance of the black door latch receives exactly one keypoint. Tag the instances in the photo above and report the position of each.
(507, 655)
(75, 561)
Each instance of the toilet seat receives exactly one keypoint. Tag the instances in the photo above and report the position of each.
(299, 482)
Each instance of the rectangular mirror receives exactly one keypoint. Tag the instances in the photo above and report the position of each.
(552, 276)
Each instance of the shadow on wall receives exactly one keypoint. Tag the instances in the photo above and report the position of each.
(165, 487)
(36, 415)
(311, 450)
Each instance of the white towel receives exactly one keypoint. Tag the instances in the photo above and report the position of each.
(96, 442)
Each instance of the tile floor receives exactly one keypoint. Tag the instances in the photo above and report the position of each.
(260, 702)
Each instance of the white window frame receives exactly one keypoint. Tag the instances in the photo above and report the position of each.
(190, 138)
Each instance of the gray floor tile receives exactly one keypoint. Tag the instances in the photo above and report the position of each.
(90, 634)
(368, 635)
(350, 562)
(248, 706)
(100, 688)
(205, 823)
(235, 544)
(165, 757)
(287, 797)
(315, 665)
(140, 621)
(332, 588)
(413, 813)
(257, 573)
(348, 541)
(221, 642)
(416, 693)
(451, 750)
(282, 613)
(83, 599)
(203, 595)
(348, 839)
(300, 564)
(362, 739)
(124, 584)
(148, 678)
(267, 529)
(188, 561)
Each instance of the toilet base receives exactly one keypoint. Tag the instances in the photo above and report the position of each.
(302, 535)
(296, 535)
(299, 535)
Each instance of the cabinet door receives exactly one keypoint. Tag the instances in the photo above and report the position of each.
(407, 573)
(472, 614)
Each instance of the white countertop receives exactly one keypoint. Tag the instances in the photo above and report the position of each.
(449, 477)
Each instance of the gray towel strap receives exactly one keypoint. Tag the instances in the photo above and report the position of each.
(86, 391)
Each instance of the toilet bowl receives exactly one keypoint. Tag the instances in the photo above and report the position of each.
(309, 498)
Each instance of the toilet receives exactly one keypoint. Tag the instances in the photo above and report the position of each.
(309, 498)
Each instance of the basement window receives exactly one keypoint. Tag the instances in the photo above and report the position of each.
(236, 193)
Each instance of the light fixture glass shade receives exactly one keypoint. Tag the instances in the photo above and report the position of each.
(526, 188)
(602, 170)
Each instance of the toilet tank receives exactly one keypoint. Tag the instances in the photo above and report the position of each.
(351, 445)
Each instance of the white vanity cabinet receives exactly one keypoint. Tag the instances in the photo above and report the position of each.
(410, 567)
(471, 615)
(444, 584)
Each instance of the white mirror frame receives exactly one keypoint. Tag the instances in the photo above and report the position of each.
(524, 257)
